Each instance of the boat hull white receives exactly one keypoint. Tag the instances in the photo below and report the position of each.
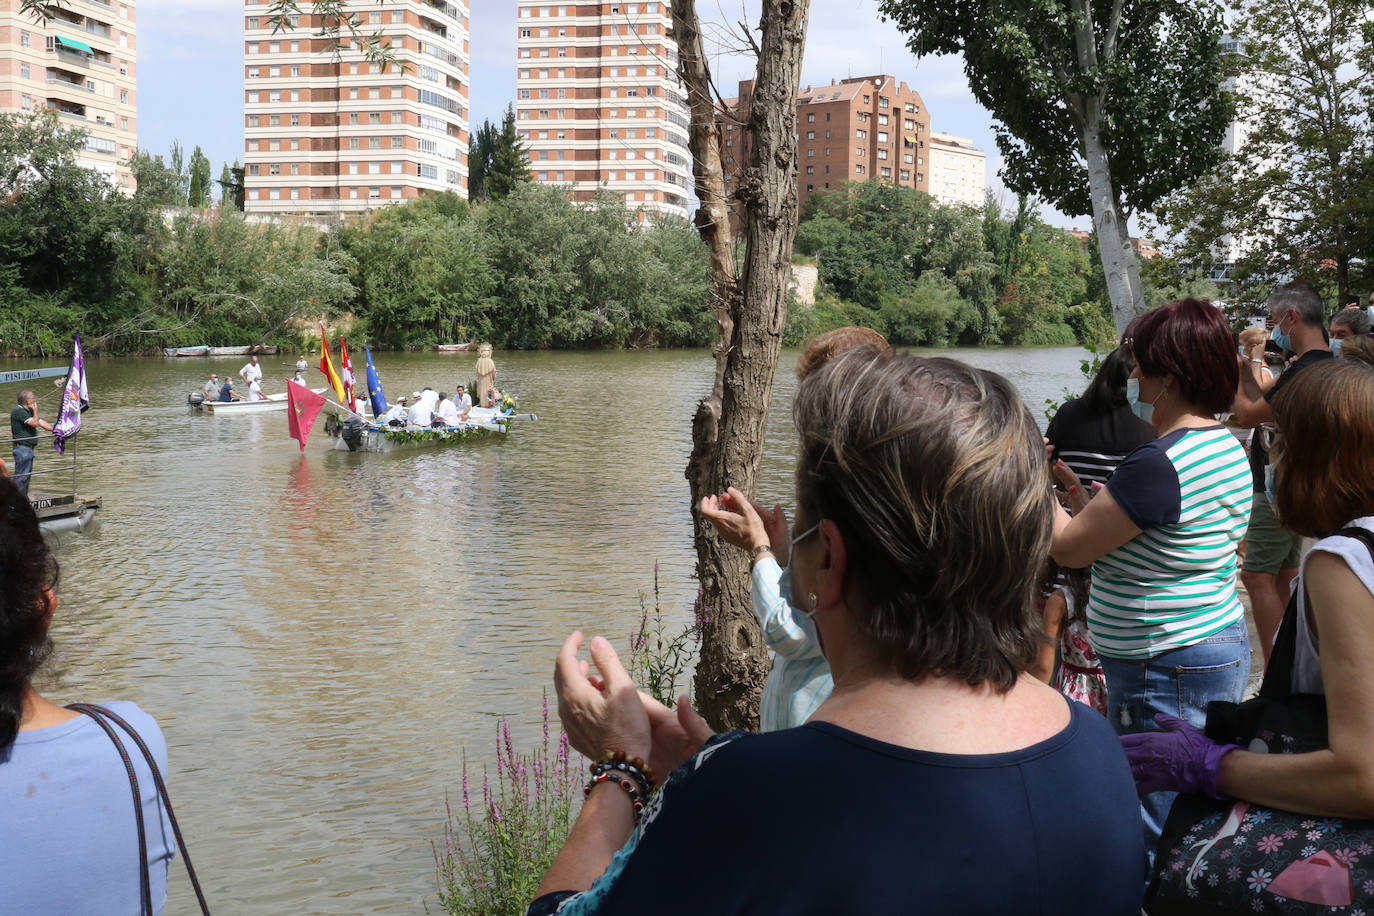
(271, 403)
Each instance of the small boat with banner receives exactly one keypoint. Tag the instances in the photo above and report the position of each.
(57, 509)
(186, 351)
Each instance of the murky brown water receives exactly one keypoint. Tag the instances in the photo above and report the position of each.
(321, 635)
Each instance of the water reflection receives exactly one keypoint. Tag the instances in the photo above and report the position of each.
(321, 634)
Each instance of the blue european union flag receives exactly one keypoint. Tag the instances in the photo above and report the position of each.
(374, 386)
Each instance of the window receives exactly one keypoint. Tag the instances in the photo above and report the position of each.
(295, 46)
(274, 146)
(397, 142)
(252, 22)
(374, 117)
(398, 17)
(24, 71)
(123, 96)
(295, 168)
(374, 142)
(253, 169)
(352, 117)
(274, 168)
(810, 170)
(352, 142)
(861, 134)
(274, 47)
(374, 193)
(811, 153)
(252, 73)
(882, 119)
(810, 135)
(24, 39)
(274, 194)
(274, 120)
(274, 72)
(295, 120)
(882, 154)
(858, 169)
(374, 168)
(295, 69)
(883, 101)
(252, 120)
(887, 173)
(353, 168)
(906, 175)
(274, 95)
(882, 136)
(858, 151)
(868, 100)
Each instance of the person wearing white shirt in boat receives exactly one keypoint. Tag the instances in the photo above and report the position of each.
(255, 391)
(422, 414)
(252, 372)
(447, 412)
(396, 414)
(464, 403)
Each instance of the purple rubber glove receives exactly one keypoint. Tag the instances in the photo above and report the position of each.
(1178, 759)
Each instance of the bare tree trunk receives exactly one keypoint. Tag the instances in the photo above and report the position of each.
(728, 430)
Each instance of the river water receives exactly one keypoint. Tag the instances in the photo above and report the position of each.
(321, 635)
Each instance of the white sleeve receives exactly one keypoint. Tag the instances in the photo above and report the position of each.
(786, 631)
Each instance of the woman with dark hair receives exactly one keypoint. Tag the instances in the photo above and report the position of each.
(66, 809)
(1091, 434)
(940, 775)
(1325, 484)
(1163, 612)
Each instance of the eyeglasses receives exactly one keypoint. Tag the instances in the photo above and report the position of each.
(803, 536)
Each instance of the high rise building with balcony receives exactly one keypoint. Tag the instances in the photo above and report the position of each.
(598, 102)
(81, 64)
(329, 133)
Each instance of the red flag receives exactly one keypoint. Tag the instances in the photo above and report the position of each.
(347, 365)
(303, 406)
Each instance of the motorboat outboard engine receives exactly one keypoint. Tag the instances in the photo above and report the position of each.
(352, 433)
(195, 398)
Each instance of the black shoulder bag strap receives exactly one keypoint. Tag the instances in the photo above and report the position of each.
(100, 714)
(1278, 674)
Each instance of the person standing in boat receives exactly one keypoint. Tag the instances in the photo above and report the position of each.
(486, 373)
(211, 387)
(252, 372)
(24, 426)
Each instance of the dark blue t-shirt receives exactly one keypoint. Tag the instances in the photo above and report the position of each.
(818, 819)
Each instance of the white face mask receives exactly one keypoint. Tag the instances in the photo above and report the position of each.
(1145, 410)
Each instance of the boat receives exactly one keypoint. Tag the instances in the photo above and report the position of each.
(57, 513)
(186, 351)
(353, 434)
(254, 350)
(454, 348)
(271, 402)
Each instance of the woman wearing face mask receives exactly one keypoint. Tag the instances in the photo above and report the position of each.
(1163, 610)
(940, 776)
(799, 680)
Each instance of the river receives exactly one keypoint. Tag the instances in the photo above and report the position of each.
(322, 635)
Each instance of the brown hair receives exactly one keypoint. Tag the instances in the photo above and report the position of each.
(1326, 472)
(935, 474)
(1359, 349)
(822, 348)
(1251, 336)
(1190, 340)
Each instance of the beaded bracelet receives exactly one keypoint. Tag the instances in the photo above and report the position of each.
(629, 785)
(634, 766)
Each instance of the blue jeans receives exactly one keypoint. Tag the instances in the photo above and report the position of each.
(23, 464)
(1180, 682)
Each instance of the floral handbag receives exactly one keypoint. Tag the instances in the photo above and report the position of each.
(1229, 857)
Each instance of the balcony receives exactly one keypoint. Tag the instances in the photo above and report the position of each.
(78, 83)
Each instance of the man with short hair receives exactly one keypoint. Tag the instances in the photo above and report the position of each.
(251, 372)
(447, 412)
(1347, 323)
(1272, 553)
(24, 426)
(211, 387)
(255, 391)
(463, 403)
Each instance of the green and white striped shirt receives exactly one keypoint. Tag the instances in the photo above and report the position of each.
(1174, 584)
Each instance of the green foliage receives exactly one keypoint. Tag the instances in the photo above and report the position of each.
(1299, 193)
(480, 153)
(657, 660)
(509, 163)
(198, 185)
(401, 435)
(497, 849)
(928, 274)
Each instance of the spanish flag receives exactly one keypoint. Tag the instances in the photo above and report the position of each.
(327, 367)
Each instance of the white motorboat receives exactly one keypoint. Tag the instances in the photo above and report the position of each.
(271, 402)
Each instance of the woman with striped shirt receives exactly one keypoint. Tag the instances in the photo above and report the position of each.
(1161, 537)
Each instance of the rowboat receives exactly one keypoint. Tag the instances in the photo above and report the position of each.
(352, 434)
(186, 351)
(271, 402)
(454, 348)
(254, 350)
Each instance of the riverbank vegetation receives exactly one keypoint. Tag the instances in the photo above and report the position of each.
(529, 269)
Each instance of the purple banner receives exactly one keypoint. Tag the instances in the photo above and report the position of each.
(75, 399)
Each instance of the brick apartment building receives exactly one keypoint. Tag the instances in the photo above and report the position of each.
(852, 130)
(329, 134)
(598, 102)
(82, 64)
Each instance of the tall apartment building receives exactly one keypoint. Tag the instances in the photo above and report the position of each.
(82, 64)
(860, 129)
(957, 170)
(329, 133)
(598, 102)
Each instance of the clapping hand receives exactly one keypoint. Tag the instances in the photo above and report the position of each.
(746, 524)
(677, 733)
(601, 712)
(1073, 496)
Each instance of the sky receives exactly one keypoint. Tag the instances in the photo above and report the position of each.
(190, 71)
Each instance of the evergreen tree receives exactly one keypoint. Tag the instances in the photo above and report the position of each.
(509, 159)
(231, 185)
(479, 161)
(198, 194)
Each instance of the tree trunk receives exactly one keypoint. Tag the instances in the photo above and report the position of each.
(1113, 238)
(728, 430)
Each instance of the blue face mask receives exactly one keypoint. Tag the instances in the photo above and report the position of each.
(1283, 340)
(1240, 350)
(1145, 410)
(1335, 346)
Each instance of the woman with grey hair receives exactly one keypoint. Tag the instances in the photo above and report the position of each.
(939, 775)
